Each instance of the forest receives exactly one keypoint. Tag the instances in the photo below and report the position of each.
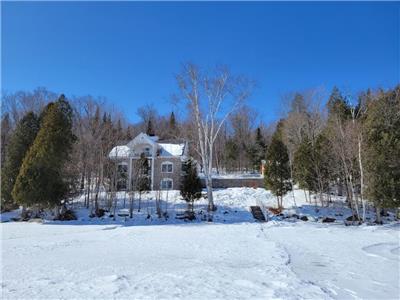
(54, 148)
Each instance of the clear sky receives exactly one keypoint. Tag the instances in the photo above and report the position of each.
(129, 52)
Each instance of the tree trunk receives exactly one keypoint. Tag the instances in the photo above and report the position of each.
(378, 214)
(211, 206)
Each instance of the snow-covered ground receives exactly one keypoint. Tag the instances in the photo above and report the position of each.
(232, 257)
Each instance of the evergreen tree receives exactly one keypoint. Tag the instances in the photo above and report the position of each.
(20, 142)
(5, 136)
(232, 150)
(191, 184)
(338, 105)
(277, 173)
(172, 121)
(149, 129)
(311, 165)
(41, 179)
(143, 181)
(258, 150)
(382, 154)
(303, 171)
(173, 131)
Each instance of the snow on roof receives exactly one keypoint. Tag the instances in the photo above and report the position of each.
(172, 149)
(153, 138)
(119, 152)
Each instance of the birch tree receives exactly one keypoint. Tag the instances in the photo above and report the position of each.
(211, 97)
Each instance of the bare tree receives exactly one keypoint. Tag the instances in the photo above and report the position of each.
(211, 97)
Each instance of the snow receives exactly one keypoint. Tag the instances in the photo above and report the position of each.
(233, 175)
(120, 152)
(172, 149)
(232, 257)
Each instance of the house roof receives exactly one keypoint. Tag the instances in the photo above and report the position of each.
(168, 149)
(120, 152)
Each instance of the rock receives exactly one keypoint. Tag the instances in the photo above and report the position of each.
(100, 213)
(294, 216)
(304, 218)
(328, 220)
(353, 219)
(35, 220)
(68, 215)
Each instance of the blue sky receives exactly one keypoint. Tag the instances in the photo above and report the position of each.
(129, 52)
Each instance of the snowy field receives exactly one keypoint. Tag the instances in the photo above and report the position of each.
(232, 257)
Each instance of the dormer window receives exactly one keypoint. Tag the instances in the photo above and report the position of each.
(167, 167)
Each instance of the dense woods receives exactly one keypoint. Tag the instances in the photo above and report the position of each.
(54, 148)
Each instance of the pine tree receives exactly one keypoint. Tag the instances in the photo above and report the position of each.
(142, 180)
(191, 184)
(231, 149)
(311, 165)
(149, 129)
(173, 131)
(172, 121)
(6, 131)
(143, 183)
(20, 142)
(382, 153)
(41, 181)
(303, 170)
(277, 173)
(338, 105)
(258, 150)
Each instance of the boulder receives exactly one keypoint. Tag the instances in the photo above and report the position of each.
(328, 220)
(354, 219)
(304, 218)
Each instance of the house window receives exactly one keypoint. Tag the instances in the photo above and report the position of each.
(166, 184)
(166, 167)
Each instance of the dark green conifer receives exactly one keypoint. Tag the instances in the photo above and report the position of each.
(382, 151)
(277, 173)
(20, 142)
(191, 184)
(41, 180)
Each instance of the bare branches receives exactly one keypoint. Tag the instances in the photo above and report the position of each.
(211, 98)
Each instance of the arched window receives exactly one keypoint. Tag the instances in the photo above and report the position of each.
(167, 184)
(167, 167)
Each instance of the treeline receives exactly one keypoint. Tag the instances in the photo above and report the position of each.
(354, 147)
(323, 145)
(82, 164)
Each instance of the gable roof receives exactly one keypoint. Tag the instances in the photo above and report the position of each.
(168, 149)
(142, 138)
(165, 148)
(120, 152)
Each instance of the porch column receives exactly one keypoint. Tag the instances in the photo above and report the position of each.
(130, 173)
(152, 168)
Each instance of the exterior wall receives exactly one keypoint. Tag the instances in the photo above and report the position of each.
(235, 182)
(175, 175)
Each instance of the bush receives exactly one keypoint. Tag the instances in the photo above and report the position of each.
(68, 215)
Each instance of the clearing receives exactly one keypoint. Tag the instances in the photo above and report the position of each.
(232, 257)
